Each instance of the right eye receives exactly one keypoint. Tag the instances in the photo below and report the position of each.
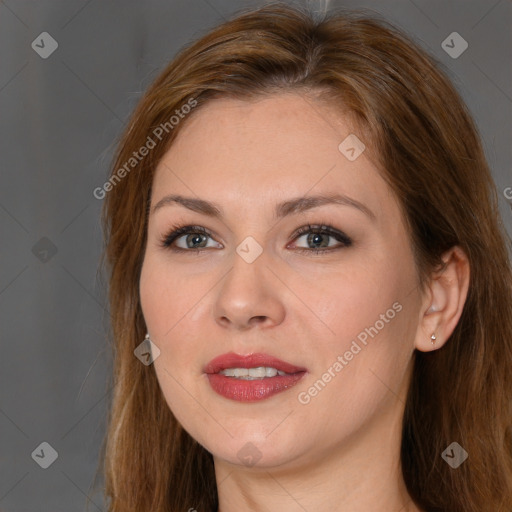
(195, 239)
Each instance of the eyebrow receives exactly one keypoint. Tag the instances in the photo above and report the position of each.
(289, 207)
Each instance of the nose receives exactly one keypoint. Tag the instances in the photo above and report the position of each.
(250, 296)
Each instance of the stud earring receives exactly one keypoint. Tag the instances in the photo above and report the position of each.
(433, 338)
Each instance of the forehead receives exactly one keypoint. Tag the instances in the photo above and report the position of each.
(265, 131)
(246, 152)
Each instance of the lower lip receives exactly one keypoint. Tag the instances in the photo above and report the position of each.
(252, 390)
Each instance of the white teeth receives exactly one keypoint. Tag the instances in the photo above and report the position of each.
(251, 373)
(270, 372)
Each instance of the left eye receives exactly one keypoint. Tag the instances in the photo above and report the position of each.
(319, 236)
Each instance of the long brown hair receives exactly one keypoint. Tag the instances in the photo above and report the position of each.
(429, 151)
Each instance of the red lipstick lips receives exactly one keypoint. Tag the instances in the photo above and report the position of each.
(241, 390)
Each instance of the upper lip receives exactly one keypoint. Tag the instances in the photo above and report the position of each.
(232, 360)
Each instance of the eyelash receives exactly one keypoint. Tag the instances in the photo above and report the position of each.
(323, 229)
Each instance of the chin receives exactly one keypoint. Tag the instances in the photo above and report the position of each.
(256, 450)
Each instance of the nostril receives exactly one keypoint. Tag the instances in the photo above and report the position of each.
(258, 319)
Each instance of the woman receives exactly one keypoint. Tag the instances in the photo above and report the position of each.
(310, 286)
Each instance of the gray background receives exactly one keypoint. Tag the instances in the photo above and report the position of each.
(60, 119)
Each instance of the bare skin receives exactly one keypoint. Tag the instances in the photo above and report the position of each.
(337, 450)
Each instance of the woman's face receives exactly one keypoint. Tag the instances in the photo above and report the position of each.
(346, 317)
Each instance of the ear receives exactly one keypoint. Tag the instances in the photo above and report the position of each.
(443, 301)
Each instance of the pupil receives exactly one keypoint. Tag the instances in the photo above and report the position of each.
(314, 238)
(195, 238)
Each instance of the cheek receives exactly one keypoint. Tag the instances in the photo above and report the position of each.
(363, 373)
(370, 313)
(166, 298)
(153, 297)
(170, 301)
(352, 299)
(165, 303)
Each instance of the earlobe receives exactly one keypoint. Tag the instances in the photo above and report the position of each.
(444, 302)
